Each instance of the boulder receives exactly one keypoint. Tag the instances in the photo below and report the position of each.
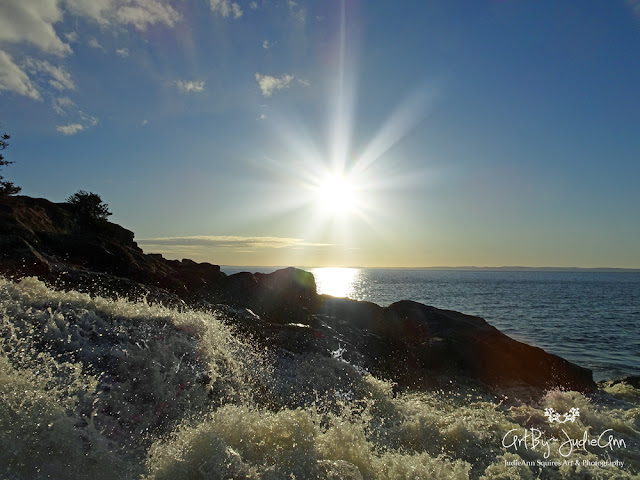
(417, 345)
(284, 296)
(427, 340)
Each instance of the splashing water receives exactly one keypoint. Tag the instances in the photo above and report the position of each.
(96, 388)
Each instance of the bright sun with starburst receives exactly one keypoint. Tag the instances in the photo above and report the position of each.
(336, 187)
(336, 195)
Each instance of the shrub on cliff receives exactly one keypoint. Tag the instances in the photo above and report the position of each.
(6, 188)
(90, 205)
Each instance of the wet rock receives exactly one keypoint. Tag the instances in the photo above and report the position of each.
(632, 380)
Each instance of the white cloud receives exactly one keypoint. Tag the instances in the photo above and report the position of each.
(85, 121)
(144, 122)
(62, 105)
(266, 44)
(226, 242)
(94, 43)
(299, 14)
(253, 5)
(189, 86)
(65, 106)
(139, 13)
(32, 22)
(14, 79)
(123, 52)
(147, 13)
(268, 84)
(70, 129)
(89, 120)
(225, 8)
(202, 247)
(72, 37)
(59, 79)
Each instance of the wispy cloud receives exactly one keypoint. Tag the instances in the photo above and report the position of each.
(65, 106)
(14, 79)
(297, 12)
(70, 129)
(122, 52)
(61, 105)
(72, 37)
(94, 43)
(22, 78)
(189, 86)
(226, 8)
(59, 78)
(268, 84)
(138, 13)
(233, 242)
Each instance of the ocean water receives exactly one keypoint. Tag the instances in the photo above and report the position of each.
(95, 388)
(590, 318)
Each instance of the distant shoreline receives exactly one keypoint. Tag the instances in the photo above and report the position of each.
(468, 268)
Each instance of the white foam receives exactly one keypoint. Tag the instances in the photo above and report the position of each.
(96, 388)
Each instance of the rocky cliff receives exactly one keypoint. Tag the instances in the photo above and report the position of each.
(414, 345)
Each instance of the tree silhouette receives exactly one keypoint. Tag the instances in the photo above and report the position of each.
(90, 205)
(6, 188)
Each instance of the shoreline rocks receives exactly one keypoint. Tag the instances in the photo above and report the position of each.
(412, 344)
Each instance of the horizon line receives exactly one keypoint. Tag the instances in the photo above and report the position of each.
(461, 268)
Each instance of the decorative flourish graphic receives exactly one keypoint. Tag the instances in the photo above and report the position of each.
(567, 417)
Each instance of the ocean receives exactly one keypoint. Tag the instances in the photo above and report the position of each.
(591, 318)
(103, 389)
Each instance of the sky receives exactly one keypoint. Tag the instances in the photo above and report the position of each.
(336, 133)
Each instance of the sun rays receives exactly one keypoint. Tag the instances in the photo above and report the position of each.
(337, 194)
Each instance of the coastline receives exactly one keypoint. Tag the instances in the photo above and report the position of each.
(130, 365)
(258, 268)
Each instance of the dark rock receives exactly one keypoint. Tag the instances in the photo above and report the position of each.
(45, 239)
(418, 346)
(284, 296)
(631, 380)
(433, 340)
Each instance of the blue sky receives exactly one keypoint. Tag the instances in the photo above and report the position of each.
(336, 133)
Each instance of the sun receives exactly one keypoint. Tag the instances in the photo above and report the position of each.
(336, 194)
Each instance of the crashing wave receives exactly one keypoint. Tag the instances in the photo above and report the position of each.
(98, 388)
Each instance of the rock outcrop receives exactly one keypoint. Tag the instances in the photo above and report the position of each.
(412, 344)
(419, 345)
(55, 243)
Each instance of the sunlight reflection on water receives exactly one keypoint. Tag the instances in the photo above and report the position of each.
(337, 282)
